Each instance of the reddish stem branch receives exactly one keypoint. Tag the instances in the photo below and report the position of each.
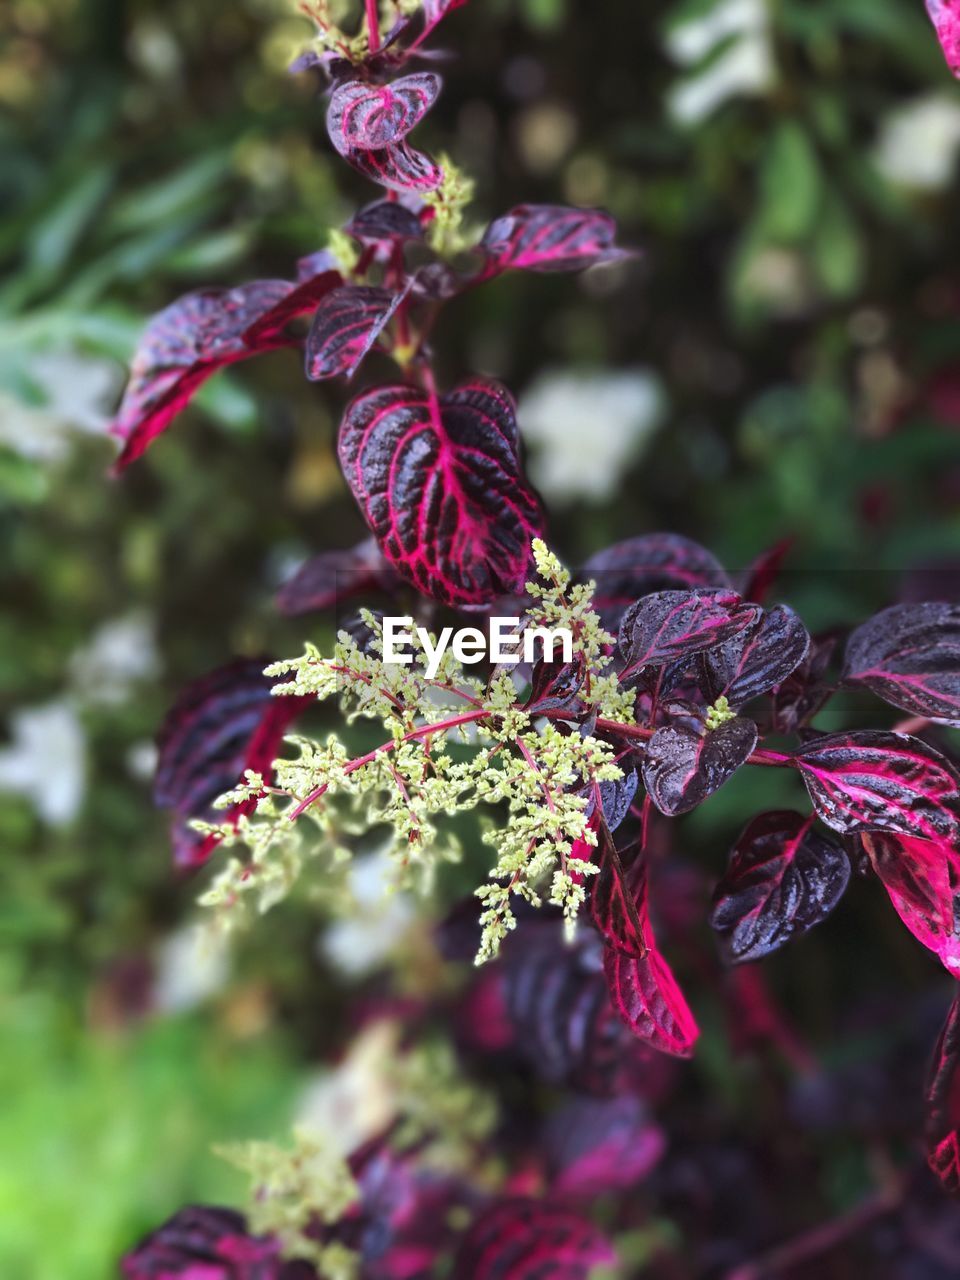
(821, 1239)
(770, 759)
(373, 25)
(422, 731)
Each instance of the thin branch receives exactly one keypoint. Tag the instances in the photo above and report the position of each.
(422, 731)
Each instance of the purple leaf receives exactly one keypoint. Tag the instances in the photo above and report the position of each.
(221, 725)
(943, 1104)
(798, 699)
(404, 1220)
(875, 780)
(191, 339)
(643, 991)
(922, 878)
(945, 16)
(315, 279)
(555, 685)
(782, 879)
(595, 1146)
(670, 625)
(441, 487)
(546, 237)
(618, 901)
(385, 221)
(616, 797)
(398, 167)
(367, 117)
(652, 562)
(683, 766)
(645, 994)
(347, 324)
(438, 281)
(203, 1243)
(525, 1239)
(557, 1001)
(757, 660)
(909, 655)
(327, 579)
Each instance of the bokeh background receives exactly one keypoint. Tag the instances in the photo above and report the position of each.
(783, 360)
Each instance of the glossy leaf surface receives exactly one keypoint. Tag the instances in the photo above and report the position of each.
(909, 655)
(441, 486)
(783, 878)
(670, 625)
(874, 780)
(683, 765)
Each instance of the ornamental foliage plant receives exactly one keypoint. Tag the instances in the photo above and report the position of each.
(682, 674)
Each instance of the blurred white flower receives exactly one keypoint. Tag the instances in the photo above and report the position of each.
(380, 918)
(744, 67)
(356, 1100)
(74, 394)
(192, 965)
(141, 760)
(120, 652)
(586, 429)
(919, 142)
(47, 760)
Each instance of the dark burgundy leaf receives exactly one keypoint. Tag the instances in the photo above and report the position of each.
(385, 220)
(595, 1146)
(406, 1215)
(645, 994)
(874, 780)
(618, 901)
(367, 117)
(221, 725)
(757, 660)
(309, 60)
(652, 562)
(945, 16)
(438, 281)
(782, 879)
(556, 685)
(347, 324)
(524, 1239)
(206, 1243)
(184, 345)
(616, 797)
(557, 1001)
(398, 167)
(682, 766)
(327, 579)
(922, 878)
(670, 625)
(440, 485)
(547, 237)
(315, 279)
(943, 1103)
(798, 699)
(762, 574)
(909, 655)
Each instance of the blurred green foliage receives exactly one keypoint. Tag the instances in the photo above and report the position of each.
(790, 171)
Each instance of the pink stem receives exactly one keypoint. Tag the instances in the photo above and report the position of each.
(771, 759)
(373, 25)
(422, 731)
